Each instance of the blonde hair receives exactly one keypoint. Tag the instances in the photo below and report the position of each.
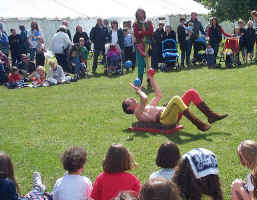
(248, 150)
(51, 61)
(40, 68)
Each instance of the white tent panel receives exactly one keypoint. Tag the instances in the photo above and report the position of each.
(101, 8)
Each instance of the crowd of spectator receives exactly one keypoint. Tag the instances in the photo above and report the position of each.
(27, 51)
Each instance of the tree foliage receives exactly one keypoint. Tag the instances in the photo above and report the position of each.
(230, 9)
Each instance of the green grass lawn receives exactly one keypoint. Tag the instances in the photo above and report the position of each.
(37, 125)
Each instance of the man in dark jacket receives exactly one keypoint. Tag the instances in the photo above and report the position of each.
(99, 36)
(80, 34)
(156, 46)
(15, 47)
(197, 28)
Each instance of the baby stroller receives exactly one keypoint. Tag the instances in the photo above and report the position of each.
(230, 54)
(113, 60)
(170, 55)
(199, 46)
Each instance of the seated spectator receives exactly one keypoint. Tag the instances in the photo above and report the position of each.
(26, 67)
(73, 186)
(9, 189)
(167, 158)
(197, 175)
(14, 79)
(115, 179)
(247, 153)
(169, 34)
(56, 74)
(76, 64)
(38, 78)
(159, 189)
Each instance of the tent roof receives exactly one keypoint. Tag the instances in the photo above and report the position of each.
(93, 8)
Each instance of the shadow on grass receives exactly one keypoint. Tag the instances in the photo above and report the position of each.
(233, 67)
(180, 137)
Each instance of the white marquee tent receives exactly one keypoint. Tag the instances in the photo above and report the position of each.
(93, 8)
(49, 13)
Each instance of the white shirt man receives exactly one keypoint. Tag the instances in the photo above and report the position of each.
(60, 42)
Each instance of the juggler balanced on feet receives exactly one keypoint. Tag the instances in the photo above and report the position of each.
(171, 113)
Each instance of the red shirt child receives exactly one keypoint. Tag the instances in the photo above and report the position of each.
(14, 76)
(108, 185)
(115, 178)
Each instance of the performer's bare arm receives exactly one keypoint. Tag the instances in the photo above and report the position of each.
(158, 94)
(143, 100)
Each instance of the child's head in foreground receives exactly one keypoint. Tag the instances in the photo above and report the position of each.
(74, 159)
(197, 175)
(118, 159)
(159, 189)
(168, 155)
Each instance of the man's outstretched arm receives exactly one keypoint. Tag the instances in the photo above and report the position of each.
(143, 100)
(158, 94)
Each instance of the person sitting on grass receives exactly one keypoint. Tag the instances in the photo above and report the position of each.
(171, 114)
(56, 74)
(14, 78)
(26, 67)
(115, 179)
(167, 158)
(38, 78)
(159, 189)
(9, 188)
(73, 185)
(76, 65)
(197, 174)
(247, 153)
